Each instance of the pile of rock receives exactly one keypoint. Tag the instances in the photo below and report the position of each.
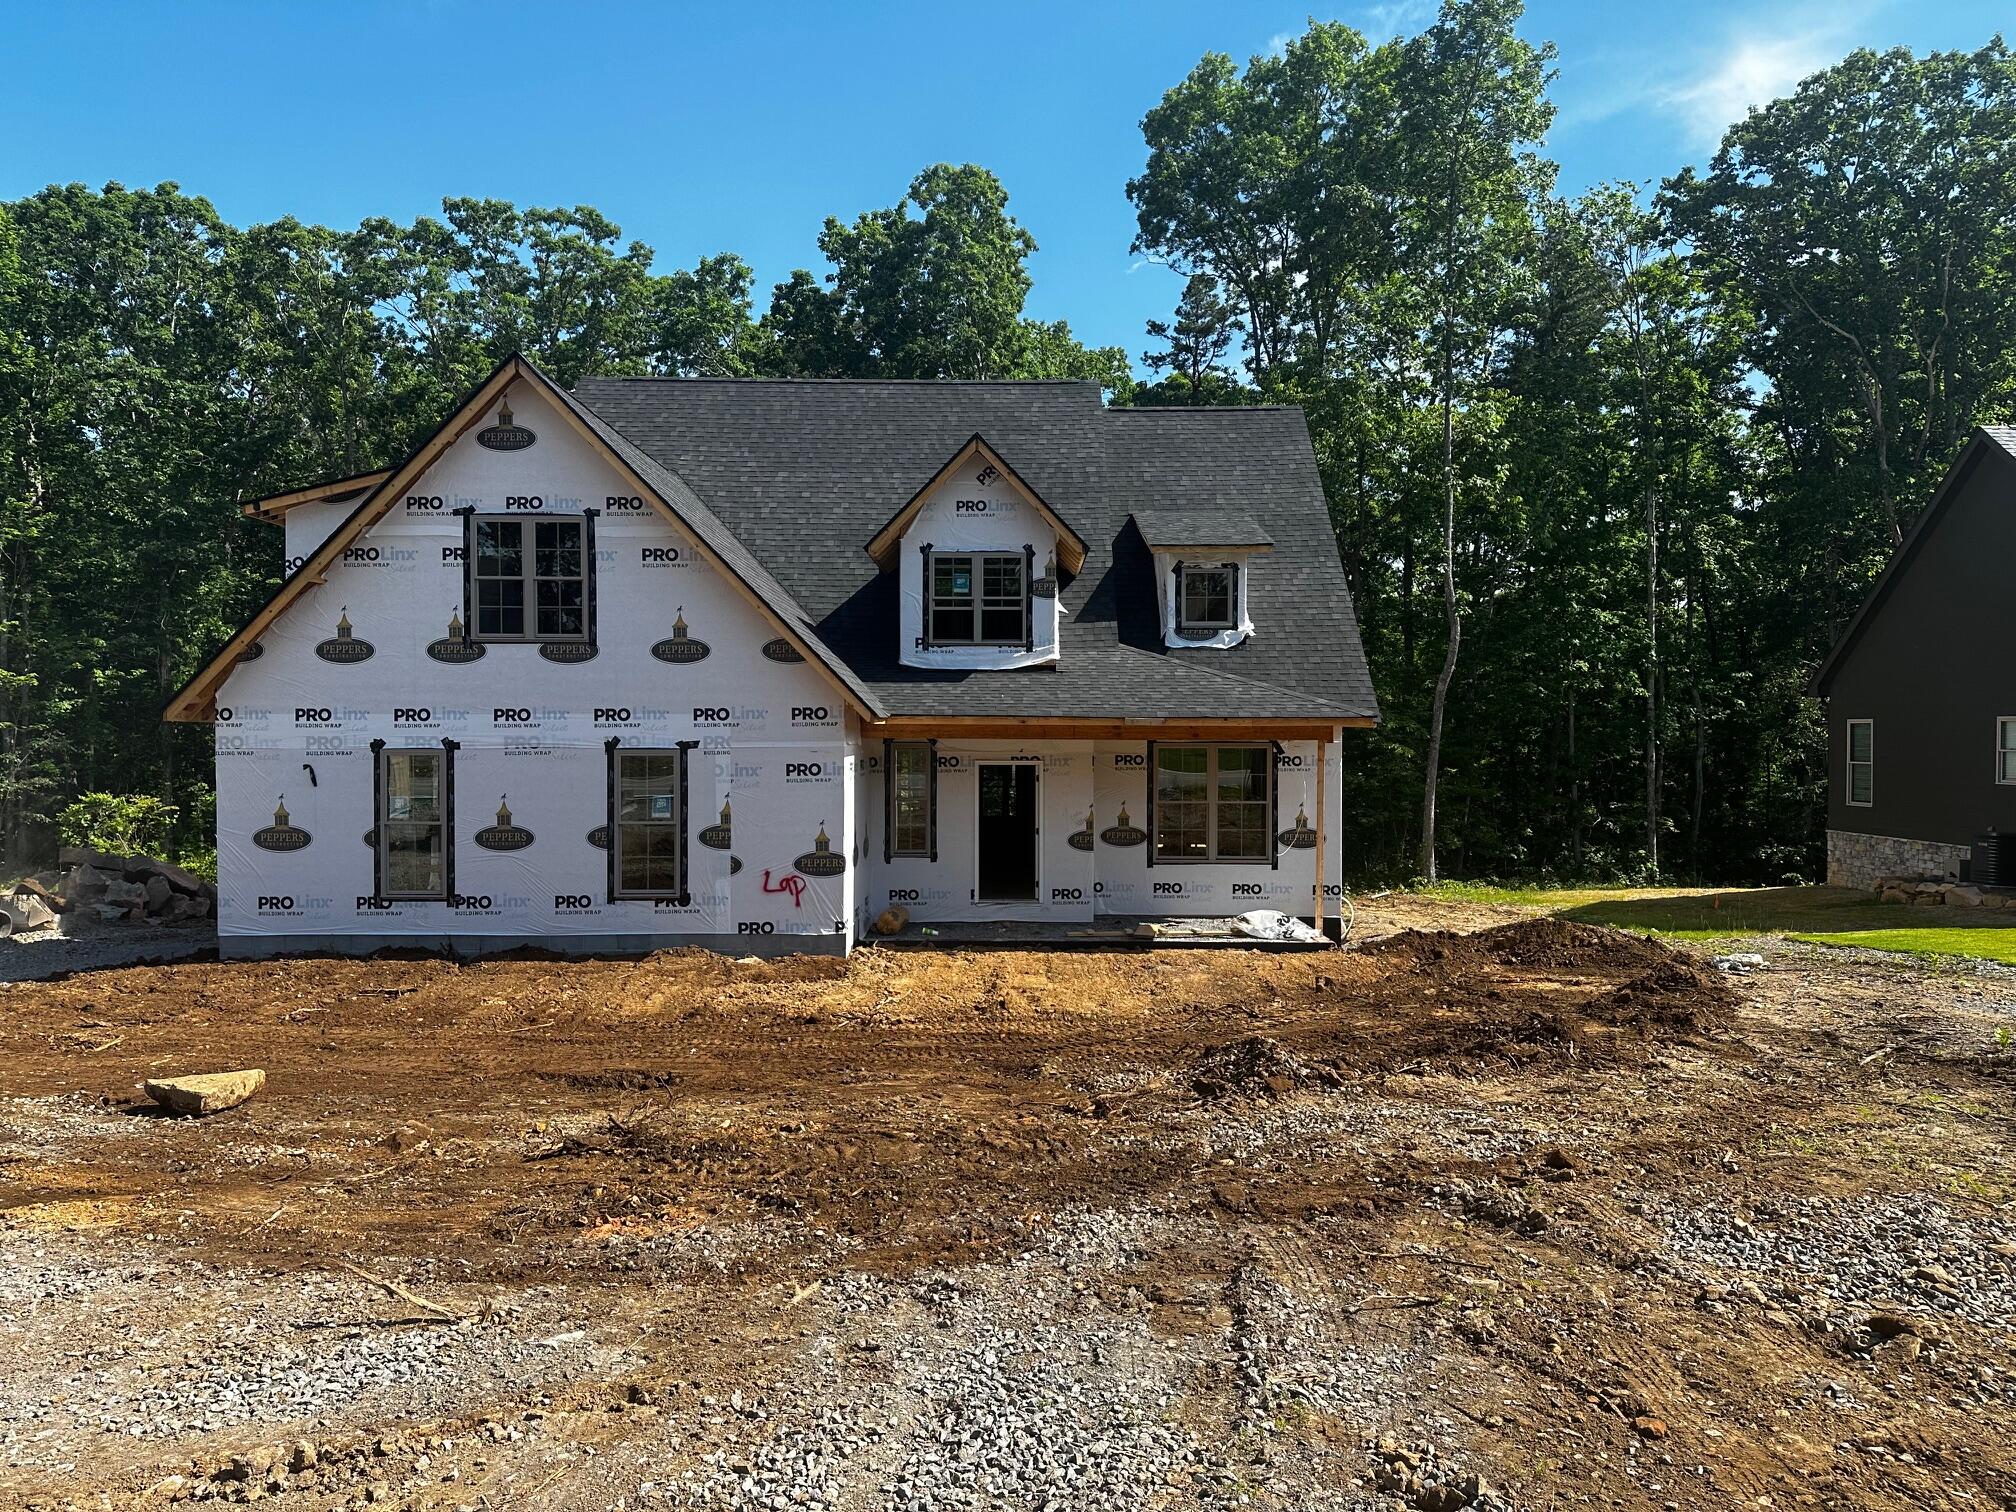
(111, 889)
(1927, 892)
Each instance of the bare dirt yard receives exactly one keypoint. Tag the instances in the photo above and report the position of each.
(1495, 1215)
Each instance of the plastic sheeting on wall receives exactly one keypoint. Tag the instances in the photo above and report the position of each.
(966, 514)
(1166, 592)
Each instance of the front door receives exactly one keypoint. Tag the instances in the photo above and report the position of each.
(1007, 831)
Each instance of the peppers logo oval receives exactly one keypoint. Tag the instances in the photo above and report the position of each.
(1081, 839)
(599, 837)
(1301, 837)
(781, 650)
(719, 836)
(282, 834)
(505, 435)
(568, 651)
(679, 648)
(343, 646)
(455, 646)
(1126, 832)
(503, 835)
(821, 860)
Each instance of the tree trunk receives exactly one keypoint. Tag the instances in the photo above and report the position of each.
(1438, 707)
(1652, 683)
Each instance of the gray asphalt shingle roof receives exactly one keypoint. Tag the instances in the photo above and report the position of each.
(1175, 529)
(802, 472)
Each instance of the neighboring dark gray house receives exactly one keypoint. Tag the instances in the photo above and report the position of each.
(1921, 714)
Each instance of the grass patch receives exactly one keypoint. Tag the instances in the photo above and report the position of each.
(1819, 915)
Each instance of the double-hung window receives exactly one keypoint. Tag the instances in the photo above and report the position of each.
(413, 836)
(911, 817)
(1861, 762)
(1213, 803)
(649, 834)
(1208, 600)
(531, 580)
(978, 599)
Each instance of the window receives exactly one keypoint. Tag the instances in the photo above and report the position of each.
(531, 580)
(1861, 762)
(911, 791)
(2005, 749)
(650, 832)
(1208, 599)
(978, 600)
(1213, 803)
(413, 824)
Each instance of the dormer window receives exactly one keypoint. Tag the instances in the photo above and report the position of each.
(530, 580)
(978, 599)
(1208, 600)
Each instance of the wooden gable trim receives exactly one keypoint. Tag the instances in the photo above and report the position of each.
(271, 508)
(196, 701)
(883, 545)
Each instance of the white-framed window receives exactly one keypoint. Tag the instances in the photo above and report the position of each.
(1208, 599)
(530, 579)
(1861, 762)
(977, 598)
(2005, 748)
(1213, 803)
(413, 836)
(650, 830)
(912, 817)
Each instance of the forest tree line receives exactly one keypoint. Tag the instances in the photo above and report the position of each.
(1608, 472)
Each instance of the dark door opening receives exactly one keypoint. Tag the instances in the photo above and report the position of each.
(1007, 835)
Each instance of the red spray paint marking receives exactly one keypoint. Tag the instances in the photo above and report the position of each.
(792, 885)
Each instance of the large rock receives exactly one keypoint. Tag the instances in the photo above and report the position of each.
(210, 1093)
(158, 893)
(130, 894)
(145, 868)
(44, 887)
(86, 883)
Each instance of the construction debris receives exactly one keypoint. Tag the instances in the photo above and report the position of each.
(211, 1093)
(114, 890)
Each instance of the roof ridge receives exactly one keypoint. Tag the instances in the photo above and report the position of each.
(858, 382)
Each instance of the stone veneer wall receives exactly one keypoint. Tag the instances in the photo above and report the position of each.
(1861, 860)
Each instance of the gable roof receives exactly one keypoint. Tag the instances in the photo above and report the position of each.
(197, 697)
(801, 469)
(882, 545)
(1989, 441)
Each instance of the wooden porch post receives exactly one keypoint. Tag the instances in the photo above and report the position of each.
(1322, 820)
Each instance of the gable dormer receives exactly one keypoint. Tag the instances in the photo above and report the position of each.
(1203, 571)
(978, 556)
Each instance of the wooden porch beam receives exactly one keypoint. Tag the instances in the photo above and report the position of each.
(1036, 727)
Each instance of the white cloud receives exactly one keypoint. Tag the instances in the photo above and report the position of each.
(1754, 68)
(1277, 45)
(1393, 18)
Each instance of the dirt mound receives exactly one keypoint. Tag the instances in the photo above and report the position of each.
(1252, 1067)
(1555, 944)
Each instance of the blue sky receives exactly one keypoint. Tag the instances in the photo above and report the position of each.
(739, 127)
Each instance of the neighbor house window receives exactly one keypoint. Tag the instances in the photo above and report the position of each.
(910, 793)
(978, 599)
(2005, 749)
(1862, 762)
(413, 834)
(1212, 803)
(531, 580)
(1207, 599)
(649, 835)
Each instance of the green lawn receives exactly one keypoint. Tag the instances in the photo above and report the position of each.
(1822, 915)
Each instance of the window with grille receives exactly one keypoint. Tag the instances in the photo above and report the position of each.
(910, 815)
(1208, 600)
(1213, 803)
(977, 599)
(413, 834)
(649, 834)
(531, 580)
(1862, 762)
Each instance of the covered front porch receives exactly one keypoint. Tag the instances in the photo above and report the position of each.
(1076, 831)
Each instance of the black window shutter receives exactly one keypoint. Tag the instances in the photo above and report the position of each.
(1274, 806)
(1152, 842)
(931, 810)
(610, 745)
(448, 750)
(888, 800)
(685, 891)
(588, 604)
(378, 821)
(1028, 597)
(468, 514)
(924, 630)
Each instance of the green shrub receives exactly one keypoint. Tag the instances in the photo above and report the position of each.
(122, 824)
